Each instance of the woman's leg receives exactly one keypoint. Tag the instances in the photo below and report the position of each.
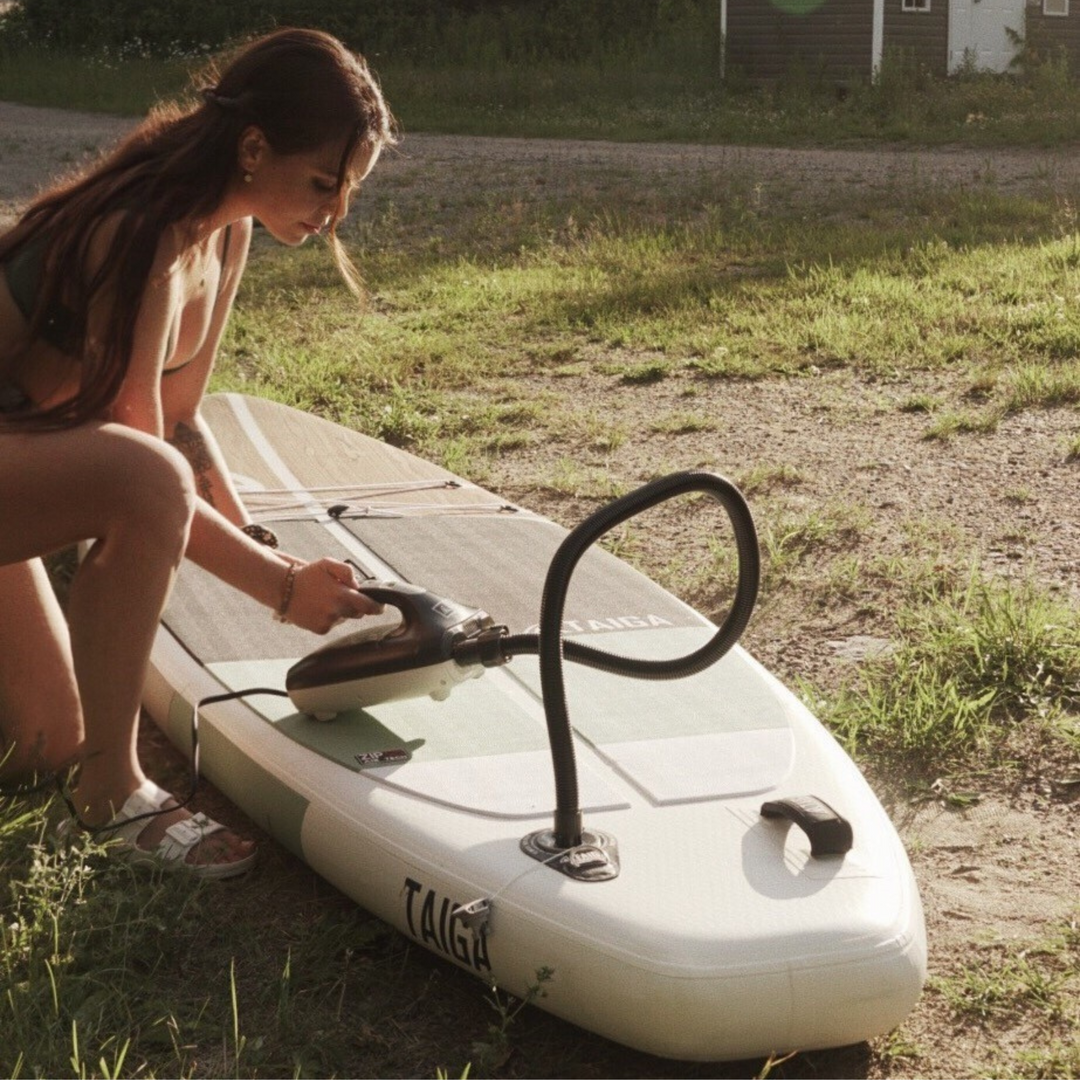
(40, 713)
(132, 497)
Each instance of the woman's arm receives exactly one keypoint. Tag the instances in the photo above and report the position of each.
(315, 596)
(182, 391)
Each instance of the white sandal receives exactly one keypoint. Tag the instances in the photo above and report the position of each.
(177, 843)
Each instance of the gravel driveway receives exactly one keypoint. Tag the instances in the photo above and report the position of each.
(38, 144)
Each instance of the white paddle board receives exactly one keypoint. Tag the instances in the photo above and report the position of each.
(721, 937)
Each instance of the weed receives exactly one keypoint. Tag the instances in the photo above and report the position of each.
(990, 989)
(787, 539)
(682, 423)
(919, 403)
(491, 1052)
(1058, 1060)
(568, 477)
(771, 1063)
(442, 1074)
(844, 579)
(1041, 386)
(765, 478)
(646, 373)
(596, 430)
(898, 1046)
(1001, 980)
(970, 665)
(952, 423)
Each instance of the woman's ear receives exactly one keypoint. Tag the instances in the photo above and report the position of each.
(252, 149)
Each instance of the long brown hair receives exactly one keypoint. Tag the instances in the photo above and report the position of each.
(301, 88)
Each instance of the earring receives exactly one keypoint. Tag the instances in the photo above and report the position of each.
(247, 178)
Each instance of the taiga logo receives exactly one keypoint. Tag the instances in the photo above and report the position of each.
(434, 921)
(610, 623)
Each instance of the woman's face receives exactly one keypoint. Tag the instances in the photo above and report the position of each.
(296, 196)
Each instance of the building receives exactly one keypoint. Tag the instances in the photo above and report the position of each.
(846, 40)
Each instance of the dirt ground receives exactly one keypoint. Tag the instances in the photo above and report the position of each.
(1005, 871)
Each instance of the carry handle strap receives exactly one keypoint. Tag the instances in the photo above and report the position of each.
(829, 833)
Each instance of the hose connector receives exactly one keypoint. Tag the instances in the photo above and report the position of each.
(484, 647)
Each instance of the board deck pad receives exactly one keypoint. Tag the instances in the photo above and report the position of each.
(726, 735)
(499, 562)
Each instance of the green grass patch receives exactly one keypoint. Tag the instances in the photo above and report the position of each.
(791, 538)
(961, 422)
(125, 87)
(919, 403)
(993, 987)
(1029, 981)
(973, 665)
(664, 87)
(106, 970)
(669, 300)
(1042, 386)
(683, 423)
(1059, 1059)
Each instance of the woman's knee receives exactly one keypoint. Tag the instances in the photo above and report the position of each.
(157, 491)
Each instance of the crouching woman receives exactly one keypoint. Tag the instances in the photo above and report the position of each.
(115, 287)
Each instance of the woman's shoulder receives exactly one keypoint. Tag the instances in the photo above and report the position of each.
(175, 244)
(108, 233)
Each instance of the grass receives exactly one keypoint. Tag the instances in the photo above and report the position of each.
(1033, 979)
(788, 538)
(978, 664)
(98, 84)
(657, 293)
(669, 90)
(662, 297)
(105, 971)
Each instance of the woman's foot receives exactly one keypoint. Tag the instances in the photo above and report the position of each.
(152, 829)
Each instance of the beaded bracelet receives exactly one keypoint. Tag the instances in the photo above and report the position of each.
(261, 534)
(286, 593)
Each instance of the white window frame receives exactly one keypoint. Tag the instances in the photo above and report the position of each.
(1056, 9)
(920, 6)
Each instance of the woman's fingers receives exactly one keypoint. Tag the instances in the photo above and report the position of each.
(326, 594)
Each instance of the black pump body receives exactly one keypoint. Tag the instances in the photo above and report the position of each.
(380, 663)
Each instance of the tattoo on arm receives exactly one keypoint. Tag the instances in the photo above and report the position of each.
(193, 446)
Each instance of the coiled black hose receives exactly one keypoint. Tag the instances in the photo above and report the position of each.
(552, 649)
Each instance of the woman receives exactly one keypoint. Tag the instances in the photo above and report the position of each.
(114, 291)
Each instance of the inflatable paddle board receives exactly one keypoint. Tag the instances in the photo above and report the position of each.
(763, 902)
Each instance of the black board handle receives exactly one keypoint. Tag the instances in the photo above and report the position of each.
(829, 833)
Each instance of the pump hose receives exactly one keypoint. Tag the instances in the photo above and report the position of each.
(550, 647)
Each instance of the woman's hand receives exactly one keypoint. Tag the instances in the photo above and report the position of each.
(319, 595)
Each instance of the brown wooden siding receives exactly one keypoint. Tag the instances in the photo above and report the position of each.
(921, 35)
(1049, 36)
(832, 43)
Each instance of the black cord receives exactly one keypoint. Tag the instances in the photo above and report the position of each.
(213, 699)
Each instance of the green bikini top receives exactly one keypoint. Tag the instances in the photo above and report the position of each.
(23, 273)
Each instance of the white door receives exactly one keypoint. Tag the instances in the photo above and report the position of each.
(978, 33)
